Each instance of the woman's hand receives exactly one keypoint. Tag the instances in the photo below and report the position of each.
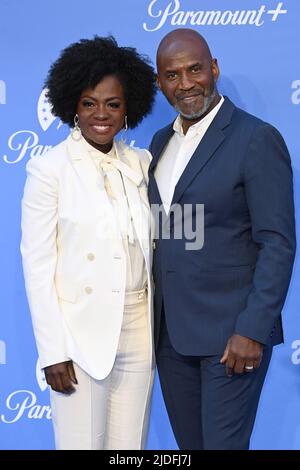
(61, 377)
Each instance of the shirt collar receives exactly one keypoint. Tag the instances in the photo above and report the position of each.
(96, 154)
(198, 126)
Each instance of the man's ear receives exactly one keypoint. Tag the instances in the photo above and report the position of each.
(215, 69)
(158, 82)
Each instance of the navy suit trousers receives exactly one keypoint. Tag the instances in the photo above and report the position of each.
(208, 410)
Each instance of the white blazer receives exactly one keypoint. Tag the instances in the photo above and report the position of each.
(73, 257)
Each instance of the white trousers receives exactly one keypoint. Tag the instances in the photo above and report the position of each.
(111, 413)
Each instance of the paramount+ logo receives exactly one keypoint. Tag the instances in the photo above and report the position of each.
(24, 404)
(173, 13)
(26, 142)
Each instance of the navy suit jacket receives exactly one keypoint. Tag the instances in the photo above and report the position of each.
(237, 282)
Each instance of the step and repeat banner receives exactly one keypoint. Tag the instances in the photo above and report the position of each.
(257, 46)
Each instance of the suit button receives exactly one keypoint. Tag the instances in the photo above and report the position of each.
(91, 256)
(88, 290)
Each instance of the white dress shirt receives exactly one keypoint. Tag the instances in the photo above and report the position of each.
(178, 153)
(110, 170)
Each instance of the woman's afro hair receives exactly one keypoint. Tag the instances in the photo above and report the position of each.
(85, 63)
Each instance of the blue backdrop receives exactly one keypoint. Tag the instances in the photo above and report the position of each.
(257, 46)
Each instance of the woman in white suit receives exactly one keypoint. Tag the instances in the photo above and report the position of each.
(86, 247)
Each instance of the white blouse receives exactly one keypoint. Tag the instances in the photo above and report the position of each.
(110, 170)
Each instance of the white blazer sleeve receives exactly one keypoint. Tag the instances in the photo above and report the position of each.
(39, 252)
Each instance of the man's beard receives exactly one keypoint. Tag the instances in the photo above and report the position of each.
(207, 100)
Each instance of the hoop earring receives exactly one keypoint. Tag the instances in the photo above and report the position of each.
(125, 128)
(76, 131)
(125, 123)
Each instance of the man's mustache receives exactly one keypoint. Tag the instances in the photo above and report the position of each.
(181, 96)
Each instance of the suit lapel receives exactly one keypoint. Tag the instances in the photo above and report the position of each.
(211, 141)
(83, 164)
(87, 173)
(205, 150)
(163, 139)
(157, 150)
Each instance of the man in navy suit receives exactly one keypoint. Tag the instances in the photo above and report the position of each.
(217, 307)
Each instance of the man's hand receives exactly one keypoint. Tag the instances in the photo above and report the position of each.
(61, 377)
(242, 354)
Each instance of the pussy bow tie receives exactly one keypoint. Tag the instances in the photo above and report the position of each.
(112, 169)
